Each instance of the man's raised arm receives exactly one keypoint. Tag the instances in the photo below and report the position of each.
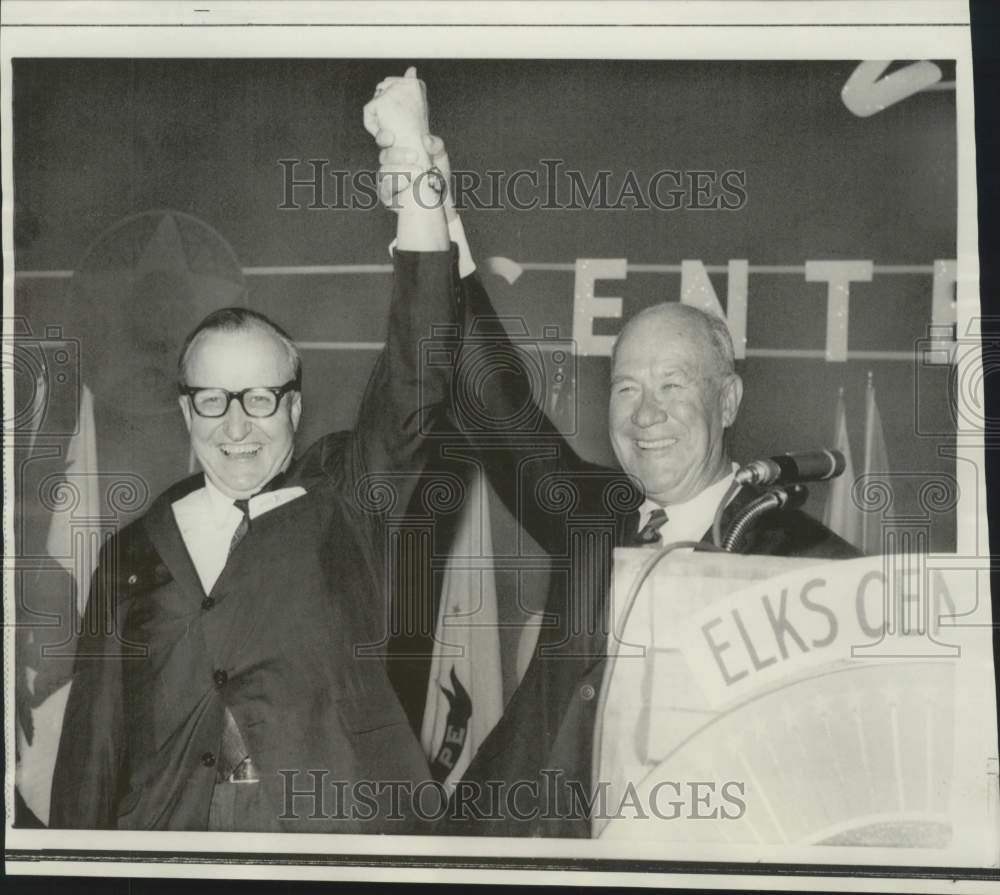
(405, 392)
(493, 404)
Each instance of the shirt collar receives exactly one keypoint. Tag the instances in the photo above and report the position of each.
(702, 505)
(220, 505)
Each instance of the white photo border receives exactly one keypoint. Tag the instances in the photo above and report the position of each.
(795, 31)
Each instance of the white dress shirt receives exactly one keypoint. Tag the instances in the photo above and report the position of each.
(690, 520)
(207, 520)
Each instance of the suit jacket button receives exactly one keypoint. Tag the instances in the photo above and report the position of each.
(208, 760)
(587, 692)
(220, 677)
(133, 578)
(207, 603)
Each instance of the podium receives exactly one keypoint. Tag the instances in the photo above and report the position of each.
(800, 706)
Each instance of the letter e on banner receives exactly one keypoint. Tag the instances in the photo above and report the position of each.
(587, 306)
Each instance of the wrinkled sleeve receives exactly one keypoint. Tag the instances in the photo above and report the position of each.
(90, 758)
(527, 460)
(405, 401)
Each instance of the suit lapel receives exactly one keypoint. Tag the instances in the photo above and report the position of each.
(627, 526)
(166, 536)
(242, 604)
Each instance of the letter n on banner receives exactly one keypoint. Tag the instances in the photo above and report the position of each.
(697, 291)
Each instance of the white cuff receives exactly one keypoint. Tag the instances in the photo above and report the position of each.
(456, 234)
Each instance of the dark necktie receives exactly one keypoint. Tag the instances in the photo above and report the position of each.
(650, 532)
(234, 757)
(243, 505)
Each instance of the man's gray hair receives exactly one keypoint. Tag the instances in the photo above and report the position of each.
(722, 339)
(238, 320)
(714, 327)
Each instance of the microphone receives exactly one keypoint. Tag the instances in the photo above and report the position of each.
(787, 469)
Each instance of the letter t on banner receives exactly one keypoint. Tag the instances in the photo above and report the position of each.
(840, 275)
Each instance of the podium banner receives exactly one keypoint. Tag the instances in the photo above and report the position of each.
(800, 706)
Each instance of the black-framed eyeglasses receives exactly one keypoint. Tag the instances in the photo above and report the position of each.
(259, 402)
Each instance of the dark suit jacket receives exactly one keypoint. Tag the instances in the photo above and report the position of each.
(579, 513)
(281, 639)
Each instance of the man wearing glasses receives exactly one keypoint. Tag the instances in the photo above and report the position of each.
(240, 451)
(222, 680)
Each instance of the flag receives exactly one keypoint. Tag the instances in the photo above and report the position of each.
(465, 693)
(74, 545)
(876, 463)
(842, 514)
(75, 548)
(139, 288)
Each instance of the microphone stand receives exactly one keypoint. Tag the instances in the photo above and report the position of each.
(772, 499)
(717, 521)
(769, 500)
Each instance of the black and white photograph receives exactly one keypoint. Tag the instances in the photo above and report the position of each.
(468, 451)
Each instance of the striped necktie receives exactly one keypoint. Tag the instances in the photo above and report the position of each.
(650, 532)
(234, 758)
(243, 505)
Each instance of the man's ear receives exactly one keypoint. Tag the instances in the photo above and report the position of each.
(296, 409)
(185, 403)
(730, 397)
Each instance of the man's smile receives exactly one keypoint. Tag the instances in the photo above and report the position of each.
(243, 451)
(654, 445)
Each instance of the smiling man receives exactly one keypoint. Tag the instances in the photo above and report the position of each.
(242, 432)
(221, 681)
(234, 349)
(674, 393)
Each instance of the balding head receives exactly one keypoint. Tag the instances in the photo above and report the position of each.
(231, 352)
(674, 391)
(709, 328)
